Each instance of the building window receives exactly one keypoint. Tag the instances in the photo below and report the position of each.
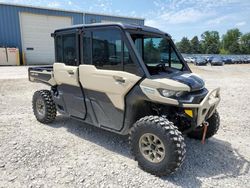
(93, 20)
(107, 49)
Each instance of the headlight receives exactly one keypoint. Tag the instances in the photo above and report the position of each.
(171, 93)
(167, 93)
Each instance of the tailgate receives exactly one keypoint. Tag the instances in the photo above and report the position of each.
(42, 74)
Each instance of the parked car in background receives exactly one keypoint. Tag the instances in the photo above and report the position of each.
(248, 60)
(200, 61)
(189, 59)
(234, 60)
(217, 61)
(209, 59)
(227, 60)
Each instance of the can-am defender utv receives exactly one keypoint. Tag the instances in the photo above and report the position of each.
(128, 79)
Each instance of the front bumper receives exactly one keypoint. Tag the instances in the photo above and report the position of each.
(206, 107)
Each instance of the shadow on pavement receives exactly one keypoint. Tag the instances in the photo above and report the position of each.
(109, 140)
(215, 159)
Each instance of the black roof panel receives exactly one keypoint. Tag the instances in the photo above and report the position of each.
(122, 25)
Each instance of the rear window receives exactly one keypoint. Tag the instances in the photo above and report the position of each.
(66, 49)
(69, 49)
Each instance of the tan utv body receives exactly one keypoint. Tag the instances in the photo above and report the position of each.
(132, 80)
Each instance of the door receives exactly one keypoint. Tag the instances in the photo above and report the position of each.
(37, 44)
(66, 74)
(105, 81)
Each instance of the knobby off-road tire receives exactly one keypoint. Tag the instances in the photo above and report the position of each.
(213, 127)
(44, 107)
(157, 145)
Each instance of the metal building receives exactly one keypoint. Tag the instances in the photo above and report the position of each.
(28, 28)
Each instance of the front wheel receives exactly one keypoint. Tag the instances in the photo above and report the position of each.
(44, 107)
(213, 127)
(157, 145)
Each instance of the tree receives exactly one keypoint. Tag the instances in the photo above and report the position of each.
(164, 45)
(231, 41)
(195, 45)
(245, 43)
(223, 51)
(210, 42)
(184, 45)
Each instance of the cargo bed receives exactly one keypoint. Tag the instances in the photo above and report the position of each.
(43, 74)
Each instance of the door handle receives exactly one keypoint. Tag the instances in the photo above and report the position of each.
(71, 72)
(119, 79)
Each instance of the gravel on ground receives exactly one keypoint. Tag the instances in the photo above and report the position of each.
(68, 153)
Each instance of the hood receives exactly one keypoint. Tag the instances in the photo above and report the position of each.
(192, 80)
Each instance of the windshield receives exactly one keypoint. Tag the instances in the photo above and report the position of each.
(158, 54)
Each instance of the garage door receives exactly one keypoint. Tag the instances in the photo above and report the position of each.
(37, 43)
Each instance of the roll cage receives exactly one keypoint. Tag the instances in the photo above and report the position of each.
(126, 31)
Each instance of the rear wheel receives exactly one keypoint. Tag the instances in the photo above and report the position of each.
(44, 107)
(213, 127)
(157, 145)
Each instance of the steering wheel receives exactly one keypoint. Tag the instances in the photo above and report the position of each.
(161, 66)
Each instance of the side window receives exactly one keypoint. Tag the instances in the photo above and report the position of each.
(128, 64)
(138, 45)
(69, 49)
(58, 47)
(107, 49)
(175, 61)
(87, 48)
(151, 50)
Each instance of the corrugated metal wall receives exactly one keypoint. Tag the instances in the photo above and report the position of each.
(10, 34)
(94, 18)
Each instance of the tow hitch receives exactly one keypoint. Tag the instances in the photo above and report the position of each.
(205, 124)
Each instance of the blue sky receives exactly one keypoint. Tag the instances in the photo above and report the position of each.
(177, 17)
